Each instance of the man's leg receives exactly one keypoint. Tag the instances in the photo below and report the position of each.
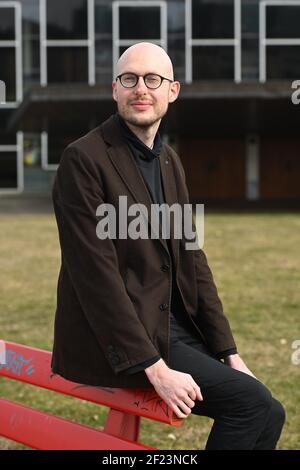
(272, 430)
(244, 412)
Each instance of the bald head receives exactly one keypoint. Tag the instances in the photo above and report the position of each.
(140, 106)
(149, 56)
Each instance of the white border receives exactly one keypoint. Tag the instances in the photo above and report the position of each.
(19, 150)
(117, 42)
(264, 41)
(89, 42)
(17, 44)
(190, 42)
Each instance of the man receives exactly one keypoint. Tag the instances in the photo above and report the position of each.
(145, 312)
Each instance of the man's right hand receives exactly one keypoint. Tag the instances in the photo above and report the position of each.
(177, 389)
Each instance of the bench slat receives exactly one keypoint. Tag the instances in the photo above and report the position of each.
(33, 366)
(44, 431)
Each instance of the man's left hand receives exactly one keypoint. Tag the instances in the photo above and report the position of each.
(236, 362)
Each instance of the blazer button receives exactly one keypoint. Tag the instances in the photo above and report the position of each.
(164, 307)
(115, 360)
(165, 267)
(110, 348)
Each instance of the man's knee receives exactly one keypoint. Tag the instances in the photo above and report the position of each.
(265, 407)
(255, 398)
(277, 413)
(262, 395)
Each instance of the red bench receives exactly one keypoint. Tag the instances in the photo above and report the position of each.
(41, 430)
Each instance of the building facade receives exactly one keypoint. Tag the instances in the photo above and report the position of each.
(235, 124)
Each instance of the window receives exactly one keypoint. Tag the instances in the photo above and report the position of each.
(206, 68)
(54, 142)
(150, 24)
(212, 19)
(66, 19)
(11, 52)
(11, 165)
(7, 23)
(146, 23)
(213, 26)
(68, 28)
(250, 40)
(31, 42)
(279, 40)
(103, 42)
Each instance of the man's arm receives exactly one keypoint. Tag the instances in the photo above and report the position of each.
(224, 354)
(214, 323)
(178, 390)
(236, 362)
(93, 264)
(210, 316)
(142, 366)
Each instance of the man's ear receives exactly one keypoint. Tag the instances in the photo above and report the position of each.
(114, 90)
(174, 91)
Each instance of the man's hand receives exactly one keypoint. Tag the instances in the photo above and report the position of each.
(177, 389)
(236, 362)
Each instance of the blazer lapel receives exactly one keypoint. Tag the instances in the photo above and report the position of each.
(127, 168)
(170, 191)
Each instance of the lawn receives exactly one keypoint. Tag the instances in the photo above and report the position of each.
(255, 259)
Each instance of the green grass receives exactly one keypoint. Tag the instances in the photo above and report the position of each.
(255, 259)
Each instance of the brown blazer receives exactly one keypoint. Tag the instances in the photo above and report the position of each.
(113, 296)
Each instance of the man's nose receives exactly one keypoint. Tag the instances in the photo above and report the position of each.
(140, 87)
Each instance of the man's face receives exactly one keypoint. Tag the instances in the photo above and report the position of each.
(141, 106)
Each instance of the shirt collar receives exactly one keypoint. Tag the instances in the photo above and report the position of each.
(132, 139)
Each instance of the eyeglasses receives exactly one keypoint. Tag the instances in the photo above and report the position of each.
(151, 80)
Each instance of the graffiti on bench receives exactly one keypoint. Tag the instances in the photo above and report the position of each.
(16, 363)
(148, 400)
(2, 352)
(143, 399)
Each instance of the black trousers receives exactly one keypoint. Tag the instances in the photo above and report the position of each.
(246, 416)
